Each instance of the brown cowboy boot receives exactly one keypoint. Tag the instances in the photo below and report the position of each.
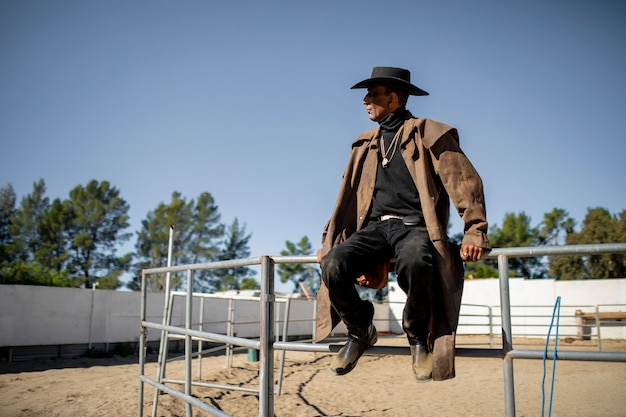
(348, 356)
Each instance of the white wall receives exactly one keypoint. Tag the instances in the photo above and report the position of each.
(533, 298)
(31, 315)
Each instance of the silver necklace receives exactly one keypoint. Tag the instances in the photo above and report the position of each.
(392, 147)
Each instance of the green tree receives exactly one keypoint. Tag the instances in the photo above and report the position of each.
(299, 274)
(7, 208)
(54, 246)
(26, 223)
(206, 231)
(480, 269)
(34, 273)
(554, 230)
(516, 231)
(235, 247)
(599, 226)
(33, 254)
(98, 218)
(249, 283)
(153, 240)
(195, 240)
(556, 226)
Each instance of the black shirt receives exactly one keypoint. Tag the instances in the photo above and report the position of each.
(394, 190)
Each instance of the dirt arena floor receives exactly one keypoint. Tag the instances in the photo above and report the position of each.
(381, 385)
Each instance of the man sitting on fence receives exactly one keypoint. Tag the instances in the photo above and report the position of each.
(394, 203)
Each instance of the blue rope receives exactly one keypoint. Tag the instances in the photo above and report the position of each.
(557, 311)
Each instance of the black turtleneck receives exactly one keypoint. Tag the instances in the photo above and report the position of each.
(394, 191)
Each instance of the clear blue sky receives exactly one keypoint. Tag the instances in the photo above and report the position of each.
(250, 100)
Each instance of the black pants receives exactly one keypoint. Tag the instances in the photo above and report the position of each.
(376, 243)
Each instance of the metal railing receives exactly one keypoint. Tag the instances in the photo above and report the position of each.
(267, 345)
(533, 321)
(230, 323)
(483, 323)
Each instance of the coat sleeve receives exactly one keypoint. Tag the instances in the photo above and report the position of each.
(463, 185)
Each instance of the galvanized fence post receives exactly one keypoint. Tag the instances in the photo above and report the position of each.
(266, 389)
(507, 336)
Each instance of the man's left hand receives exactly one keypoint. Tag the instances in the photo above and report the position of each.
(471, 253)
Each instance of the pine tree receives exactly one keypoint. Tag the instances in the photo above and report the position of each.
(196, 235)
(98, 218)
(299, 274)
(235, 247)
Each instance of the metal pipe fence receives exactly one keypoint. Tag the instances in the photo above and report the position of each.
(533, 321)
(230, 323)
(267, 343)
(482, 317)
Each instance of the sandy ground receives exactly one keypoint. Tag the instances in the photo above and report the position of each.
(381, 385)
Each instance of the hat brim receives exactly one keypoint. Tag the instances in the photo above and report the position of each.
(392, 81)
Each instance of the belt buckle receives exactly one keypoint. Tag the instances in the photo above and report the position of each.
(386, 217)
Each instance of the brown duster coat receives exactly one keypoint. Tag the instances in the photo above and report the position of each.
(441, 173)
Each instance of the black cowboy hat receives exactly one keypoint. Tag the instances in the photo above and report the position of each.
(396, 77)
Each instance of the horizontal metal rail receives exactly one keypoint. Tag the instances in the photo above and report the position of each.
(187, 398)
(209, 385)
(570, 355)
(461, 352)
(204, 266)
(210, 337)
(521, 252)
